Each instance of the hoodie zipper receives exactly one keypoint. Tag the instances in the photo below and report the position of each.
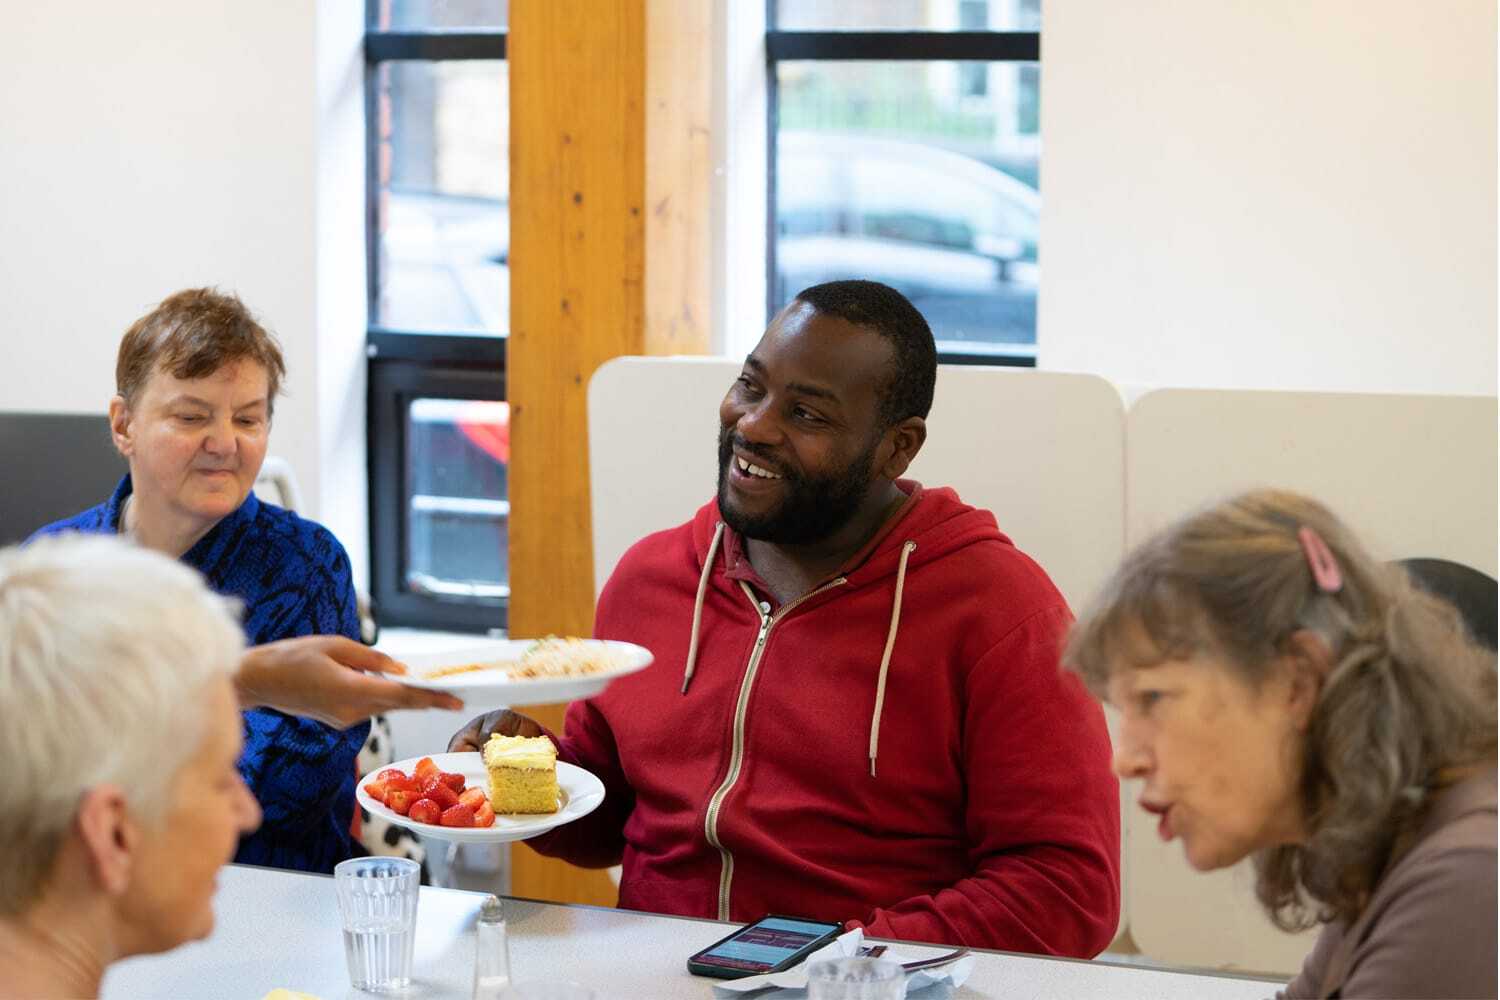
(737, 751)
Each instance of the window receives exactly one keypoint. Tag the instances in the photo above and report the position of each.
(903, 147)
(437, 176)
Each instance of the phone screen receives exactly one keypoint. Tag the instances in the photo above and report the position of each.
(765, 944)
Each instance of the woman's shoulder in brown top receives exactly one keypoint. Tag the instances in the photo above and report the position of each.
(1430, 927)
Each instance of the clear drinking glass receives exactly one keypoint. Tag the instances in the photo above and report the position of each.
(856, 979)
(378, 901)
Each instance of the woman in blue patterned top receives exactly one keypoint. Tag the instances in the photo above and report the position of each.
(196, 382)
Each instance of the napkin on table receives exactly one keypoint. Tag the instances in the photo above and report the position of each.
(793, 982)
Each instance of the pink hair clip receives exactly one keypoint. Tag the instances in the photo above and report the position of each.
(1325, 569)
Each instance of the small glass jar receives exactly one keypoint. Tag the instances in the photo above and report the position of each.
(491, 952)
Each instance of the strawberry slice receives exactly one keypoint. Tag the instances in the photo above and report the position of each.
(434, 789)
(458, 815)
(425, 811)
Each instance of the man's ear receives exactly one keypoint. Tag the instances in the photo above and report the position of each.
(110, 836)
(1308, 660)
(907, 439)
(119, 425)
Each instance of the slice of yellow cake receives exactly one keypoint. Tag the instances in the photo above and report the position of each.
(523, 774)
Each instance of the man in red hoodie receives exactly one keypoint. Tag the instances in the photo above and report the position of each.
(855, 711)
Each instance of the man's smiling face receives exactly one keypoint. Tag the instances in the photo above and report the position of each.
(800, 429)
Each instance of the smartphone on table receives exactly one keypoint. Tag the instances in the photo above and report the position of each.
(771, 944)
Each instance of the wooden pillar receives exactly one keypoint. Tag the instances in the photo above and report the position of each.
(605, 261)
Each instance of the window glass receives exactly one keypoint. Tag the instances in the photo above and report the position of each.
(443, 212)
(908, 15)
(906, 173)
(408, 15)
(458, 515)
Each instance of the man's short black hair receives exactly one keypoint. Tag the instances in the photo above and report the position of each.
(881, 308)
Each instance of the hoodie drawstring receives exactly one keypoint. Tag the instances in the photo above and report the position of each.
(708, 567)
(885, 658)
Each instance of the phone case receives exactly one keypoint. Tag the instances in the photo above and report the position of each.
(708, 968)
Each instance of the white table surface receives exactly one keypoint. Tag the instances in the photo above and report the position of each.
(278, 928)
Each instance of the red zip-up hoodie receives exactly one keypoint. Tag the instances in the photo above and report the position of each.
(897, 748)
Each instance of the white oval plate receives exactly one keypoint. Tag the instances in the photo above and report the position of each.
(579, 791)
(484, 689)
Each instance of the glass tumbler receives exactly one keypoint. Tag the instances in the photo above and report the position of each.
(378, 901)
(856, 979)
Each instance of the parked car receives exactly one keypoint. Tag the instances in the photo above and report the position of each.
(956, 235)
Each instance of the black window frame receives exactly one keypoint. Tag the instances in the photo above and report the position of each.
(884, 46)
(404, 364)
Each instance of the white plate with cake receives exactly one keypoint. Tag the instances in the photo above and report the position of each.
(507, 672)
(522, 778)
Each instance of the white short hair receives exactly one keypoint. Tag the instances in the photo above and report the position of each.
(104, 650)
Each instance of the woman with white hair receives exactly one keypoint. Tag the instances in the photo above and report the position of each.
(120, 731)
(1286, 697)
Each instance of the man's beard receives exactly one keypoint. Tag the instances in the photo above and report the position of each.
(814, 508)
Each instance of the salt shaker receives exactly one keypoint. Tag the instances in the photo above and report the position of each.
(491, 952)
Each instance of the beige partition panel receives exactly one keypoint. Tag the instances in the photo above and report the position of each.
(652, 447)
(1414, 475)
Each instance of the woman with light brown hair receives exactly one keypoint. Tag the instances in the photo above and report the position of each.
(196, 382)
(1287, 697)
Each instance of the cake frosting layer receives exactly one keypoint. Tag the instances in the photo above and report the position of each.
(529, 753)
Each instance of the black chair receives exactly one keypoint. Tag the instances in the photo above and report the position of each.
(53, 465)
(1471, 591)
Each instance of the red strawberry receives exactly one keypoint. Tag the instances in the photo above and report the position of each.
(484, 815)
(453, 781)
(425, 811)
(424, 767)
(376, 790)
(459, 815)
(438, 792)
(389, 773)
(399, 801)
(472, 797)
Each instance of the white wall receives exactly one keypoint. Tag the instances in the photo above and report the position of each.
(339, 144)
(144, 153)
(1281, 194)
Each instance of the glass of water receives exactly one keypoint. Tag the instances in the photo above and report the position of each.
(856, 979)
(378, 901)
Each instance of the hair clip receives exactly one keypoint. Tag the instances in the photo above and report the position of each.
(1325, 569)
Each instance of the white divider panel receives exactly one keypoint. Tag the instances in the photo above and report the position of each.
(653, 433)
(1413, 475)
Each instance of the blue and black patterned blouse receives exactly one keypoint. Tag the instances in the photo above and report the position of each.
(293, 577)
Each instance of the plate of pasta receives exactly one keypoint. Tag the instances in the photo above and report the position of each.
(510, 672)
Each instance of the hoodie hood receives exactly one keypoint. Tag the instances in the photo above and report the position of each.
(931, 524)
(935, 519)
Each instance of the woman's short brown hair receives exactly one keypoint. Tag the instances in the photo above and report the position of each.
(192, 334)
(1409, 699)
